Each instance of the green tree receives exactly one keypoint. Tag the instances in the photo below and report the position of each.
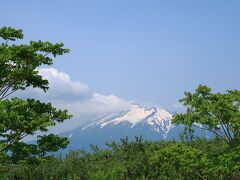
(132, 158)
(181, 161)
(19, 118)
(218, 113)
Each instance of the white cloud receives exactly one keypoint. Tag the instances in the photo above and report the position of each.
(83, 103)
(62, 88)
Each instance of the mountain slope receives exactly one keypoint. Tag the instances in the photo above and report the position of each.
(158, 120)
(151, 123)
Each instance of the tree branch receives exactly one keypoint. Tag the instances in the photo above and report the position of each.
(200, 175)
(211, 130)
(7, 95)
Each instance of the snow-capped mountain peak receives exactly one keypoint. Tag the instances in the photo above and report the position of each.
(157, 119)
(150, 123)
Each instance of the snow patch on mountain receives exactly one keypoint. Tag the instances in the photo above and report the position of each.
(159, 120)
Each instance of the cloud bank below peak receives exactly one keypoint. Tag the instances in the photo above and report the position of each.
(80, 100)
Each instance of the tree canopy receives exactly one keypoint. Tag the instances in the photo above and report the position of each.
(215, 112)
(19, 118)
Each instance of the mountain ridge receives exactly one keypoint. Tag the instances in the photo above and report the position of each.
(151, 123)
(157, 118)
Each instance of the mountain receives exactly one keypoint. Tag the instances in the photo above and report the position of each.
(158, 120)
(150, 123)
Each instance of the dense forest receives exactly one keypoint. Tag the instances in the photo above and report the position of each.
(189, 158)
(139, 159)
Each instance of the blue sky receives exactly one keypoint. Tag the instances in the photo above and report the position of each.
(147, 51)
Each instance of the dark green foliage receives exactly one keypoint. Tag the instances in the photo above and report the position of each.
(203, 159)
(19, 118)
(8, 33)
(19, 63)
(215, 112)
